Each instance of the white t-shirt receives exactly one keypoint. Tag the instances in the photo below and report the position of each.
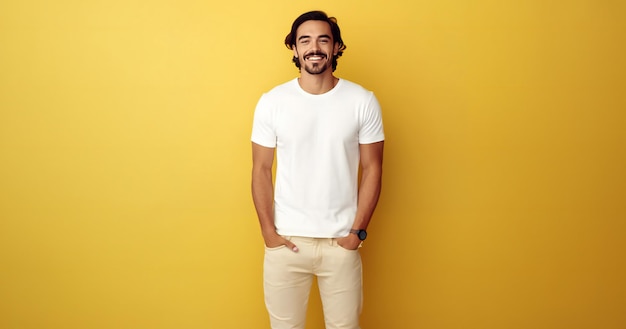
(317, 141)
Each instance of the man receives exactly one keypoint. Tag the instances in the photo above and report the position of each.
(322, 128)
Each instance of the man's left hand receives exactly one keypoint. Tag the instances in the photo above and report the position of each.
(350, 242)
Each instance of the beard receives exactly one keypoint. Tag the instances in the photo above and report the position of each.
(315, 68)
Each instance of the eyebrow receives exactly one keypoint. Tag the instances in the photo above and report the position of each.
(308, 36)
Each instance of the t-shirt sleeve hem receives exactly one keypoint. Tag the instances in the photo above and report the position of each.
(264, 143)
(372, 140)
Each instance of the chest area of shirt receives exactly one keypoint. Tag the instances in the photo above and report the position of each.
(297, 123)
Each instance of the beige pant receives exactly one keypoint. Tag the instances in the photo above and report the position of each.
(288, 275)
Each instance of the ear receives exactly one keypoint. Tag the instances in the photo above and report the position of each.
(336, 48)
(295, 51)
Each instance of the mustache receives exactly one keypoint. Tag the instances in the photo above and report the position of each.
(315, 53)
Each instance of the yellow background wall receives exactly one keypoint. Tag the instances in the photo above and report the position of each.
(125, 161)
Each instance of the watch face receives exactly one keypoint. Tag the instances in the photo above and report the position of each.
(362, 234)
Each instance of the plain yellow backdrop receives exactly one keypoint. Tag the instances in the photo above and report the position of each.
(125, 161)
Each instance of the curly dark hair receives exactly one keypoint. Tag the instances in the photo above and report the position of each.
(290, 39)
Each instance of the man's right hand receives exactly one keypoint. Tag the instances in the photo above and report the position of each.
(273, 240)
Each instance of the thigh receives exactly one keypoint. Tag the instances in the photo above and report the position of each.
(287, 284)
(341, 289)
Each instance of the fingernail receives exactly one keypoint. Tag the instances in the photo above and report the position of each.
(295, 249)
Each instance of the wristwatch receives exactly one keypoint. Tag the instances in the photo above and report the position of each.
(362, 234)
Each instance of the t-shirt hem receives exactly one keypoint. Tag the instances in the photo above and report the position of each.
(309, 235)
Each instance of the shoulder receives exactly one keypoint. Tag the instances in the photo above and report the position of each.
(283, 89)
(355, 89)
(277, 95)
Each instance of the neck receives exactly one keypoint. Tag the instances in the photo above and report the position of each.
(317, 84)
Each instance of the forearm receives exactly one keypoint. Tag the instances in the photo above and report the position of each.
(369, 192)
(263, 197)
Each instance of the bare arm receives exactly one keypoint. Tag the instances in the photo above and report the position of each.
(263, 195)
(369, 190)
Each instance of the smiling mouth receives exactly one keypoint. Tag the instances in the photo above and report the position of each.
(314, 57)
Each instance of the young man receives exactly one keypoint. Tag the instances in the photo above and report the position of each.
(322, 128)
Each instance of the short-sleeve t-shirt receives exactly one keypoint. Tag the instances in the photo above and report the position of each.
(317, 140)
